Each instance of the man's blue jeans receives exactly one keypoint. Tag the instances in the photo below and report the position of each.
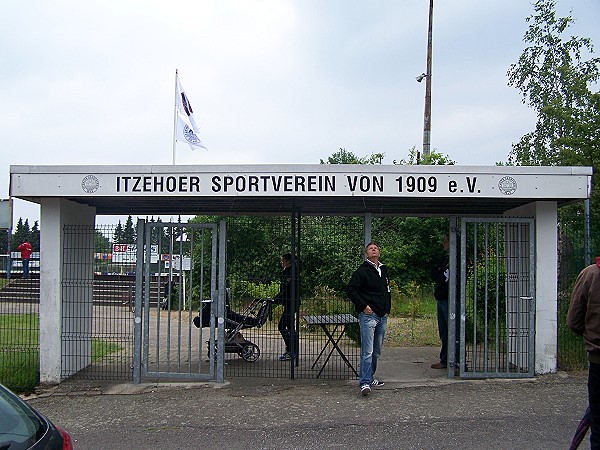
(25, 267)
(372, 332)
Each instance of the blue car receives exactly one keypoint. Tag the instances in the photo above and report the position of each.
(22, 427)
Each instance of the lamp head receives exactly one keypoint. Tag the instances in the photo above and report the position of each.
(420, 77)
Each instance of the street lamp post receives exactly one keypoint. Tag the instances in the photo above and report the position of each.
(427, 112)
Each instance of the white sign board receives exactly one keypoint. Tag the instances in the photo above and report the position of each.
(127, 253)
(176, 262)
(312, 181)
(5, 214)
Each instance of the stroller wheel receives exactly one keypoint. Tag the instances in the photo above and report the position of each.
(249, 352)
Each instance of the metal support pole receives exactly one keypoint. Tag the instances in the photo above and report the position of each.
(220, 356)
(368, 229)
(293, 293)
(587, 237)
(296, 261)
(453, 295)
(9, 257)
(137, 310)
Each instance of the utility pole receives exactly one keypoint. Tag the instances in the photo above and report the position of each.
(427, 113)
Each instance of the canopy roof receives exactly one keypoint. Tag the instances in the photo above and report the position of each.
(311, 189)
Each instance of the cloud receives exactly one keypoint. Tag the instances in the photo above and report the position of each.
(271, 81)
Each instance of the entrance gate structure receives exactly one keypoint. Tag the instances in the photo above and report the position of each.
(75, 195)
(495, 286)
(188, 262)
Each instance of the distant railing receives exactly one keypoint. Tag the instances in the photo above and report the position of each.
(12, 265)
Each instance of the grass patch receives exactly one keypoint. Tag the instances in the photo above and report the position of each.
(101, 348)
(412, 332)
(19, 351)
(19, 330)
(413, 319)
(20, 369)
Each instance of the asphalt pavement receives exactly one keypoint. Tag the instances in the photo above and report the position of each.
(417, 408)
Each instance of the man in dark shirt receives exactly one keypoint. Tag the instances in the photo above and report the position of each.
(285, 297)
(440, 274)
(369, 290)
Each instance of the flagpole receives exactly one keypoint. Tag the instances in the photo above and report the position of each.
(175, 119)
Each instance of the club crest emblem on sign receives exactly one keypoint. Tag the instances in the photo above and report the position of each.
(90, 184)
(507, 185)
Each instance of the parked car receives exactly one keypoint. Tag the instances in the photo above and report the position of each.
(22, 427)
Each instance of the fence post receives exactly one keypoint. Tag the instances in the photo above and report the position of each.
(9, 258)
(137, 310)
(587, 231)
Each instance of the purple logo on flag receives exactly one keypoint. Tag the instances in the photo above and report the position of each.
(190, 136)
(187, 106)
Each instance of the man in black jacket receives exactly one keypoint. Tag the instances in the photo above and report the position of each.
(440, 274)
(285, 297)
(369, 290)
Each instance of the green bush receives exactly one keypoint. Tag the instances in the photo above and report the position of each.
(243, 289)
(412, 300)
(325, 300)
(486, 283)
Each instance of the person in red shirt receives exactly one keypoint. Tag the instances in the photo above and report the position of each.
(25, 249)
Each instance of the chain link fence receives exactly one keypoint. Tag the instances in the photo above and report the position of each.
(572, 258)
(254, 249)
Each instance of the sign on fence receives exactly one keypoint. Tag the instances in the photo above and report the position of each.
(127, 253)
(176, 262)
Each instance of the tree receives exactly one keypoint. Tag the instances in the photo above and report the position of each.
(22, 233)
(433, 159)
(409, 244)
(118, 237)
(554, 78)
(101, 243)
(554, 74)
(129, 234)
(4, 241)
(343, 156)
(34, 238)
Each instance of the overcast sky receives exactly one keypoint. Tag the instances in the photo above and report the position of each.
(270, 81)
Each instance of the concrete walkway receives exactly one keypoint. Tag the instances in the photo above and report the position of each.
(418, 408)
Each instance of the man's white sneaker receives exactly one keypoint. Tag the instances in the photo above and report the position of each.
(365, 390)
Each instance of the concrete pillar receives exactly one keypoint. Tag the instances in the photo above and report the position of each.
(55, 214)
(546, 284)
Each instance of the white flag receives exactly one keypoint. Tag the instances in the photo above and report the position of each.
(186, 134)
(184, 107)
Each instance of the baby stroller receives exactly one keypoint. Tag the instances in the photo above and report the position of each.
(255, 315)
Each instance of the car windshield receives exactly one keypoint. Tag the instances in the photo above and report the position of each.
(20, 427)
